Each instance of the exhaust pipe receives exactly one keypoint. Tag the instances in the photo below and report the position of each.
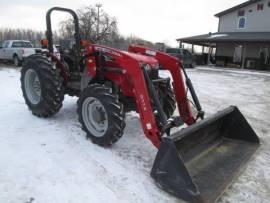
(198, 163)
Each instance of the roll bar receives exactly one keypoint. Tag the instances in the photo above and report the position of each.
(49, 33)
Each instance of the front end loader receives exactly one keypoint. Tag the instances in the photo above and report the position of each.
(196, 163)
(199, 162)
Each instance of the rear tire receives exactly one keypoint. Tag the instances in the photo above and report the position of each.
(101, 115)
(42, 86)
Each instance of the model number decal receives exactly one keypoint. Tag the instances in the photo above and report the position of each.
(143, 102)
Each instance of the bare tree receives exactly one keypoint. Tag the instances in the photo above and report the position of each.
(94, 26)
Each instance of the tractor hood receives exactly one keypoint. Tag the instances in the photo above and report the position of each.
(142, 59)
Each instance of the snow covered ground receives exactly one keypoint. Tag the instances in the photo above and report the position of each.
(49, 160)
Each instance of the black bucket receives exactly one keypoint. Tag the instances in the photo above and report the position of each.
(198, 163)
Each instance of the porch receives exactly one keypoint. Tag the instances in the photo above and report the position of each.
(248, 50)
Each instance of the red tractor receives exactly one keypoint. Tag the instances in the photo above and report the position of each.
(195, 164)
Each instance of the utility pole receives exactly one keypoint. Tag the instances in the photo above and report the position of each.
(99, 5)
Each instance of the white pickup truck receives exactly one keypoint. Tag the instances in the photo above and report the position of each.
(16, 51)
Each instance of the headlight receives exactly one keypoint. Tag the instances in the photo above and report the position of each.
(147, 67)
(152, 71)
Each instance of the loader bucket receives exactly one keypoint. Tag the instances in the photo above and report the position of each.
(198, 163)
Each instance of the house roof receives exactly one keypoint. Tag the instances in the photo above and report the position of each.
(219, 37)
(247, 3)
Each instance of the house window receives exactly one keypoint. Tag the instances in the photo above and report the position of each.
(241, 13)
(259, 7)
(242, 23)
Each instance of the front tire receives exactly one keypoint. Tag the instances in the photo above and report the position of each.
(42, 86)
(167, 99)
(101, 115)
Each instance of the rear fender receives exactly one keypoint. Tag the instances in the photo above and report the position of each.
(60, 66)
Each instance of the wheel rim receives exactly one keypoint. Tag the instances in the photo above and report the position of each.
(94, 117)
(32, 86)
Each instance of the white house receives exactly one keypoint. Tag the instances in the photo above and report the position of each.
(243, 37)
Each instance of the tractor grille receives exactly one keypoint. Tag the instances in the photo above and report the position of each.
(153, 73)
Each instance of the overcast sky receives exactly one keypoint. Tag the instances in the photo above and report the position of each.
(153, 20)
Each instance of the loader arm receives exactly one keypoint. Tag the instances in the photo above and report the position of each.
(175, 67)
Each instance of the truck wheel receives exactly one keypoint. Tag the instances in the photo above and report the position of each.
(17, 62)
(167, 99)
(101, 115)
(42, 86)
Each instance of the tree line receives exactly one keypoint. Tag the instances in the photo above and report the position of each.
(21, 34)
(96, 26)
